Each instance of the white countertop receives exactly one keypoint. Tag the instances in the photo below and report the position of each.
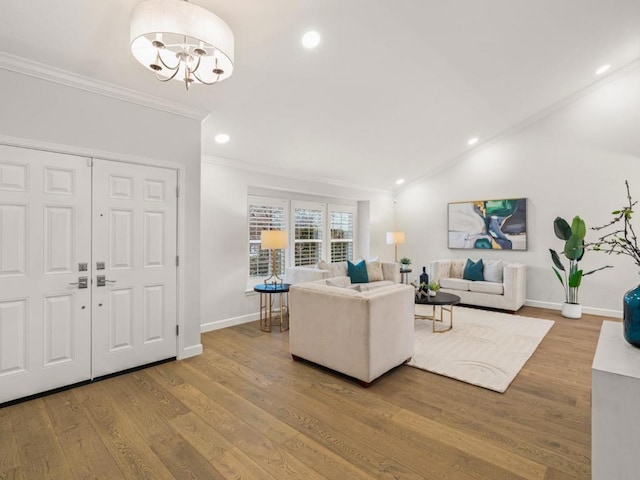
(614, 354)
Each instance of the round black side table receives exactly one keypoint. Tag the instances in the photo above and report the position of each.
(270, 316)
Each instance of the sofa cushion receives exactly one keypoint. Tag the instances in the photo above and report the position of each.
(473, 270)
(457, 269)
(324, 288)
(374, 271)
(487, 287)
(493, 271)
(358, 272)
(455, 283)
(366, 287)
(338, 269)
(343, 282)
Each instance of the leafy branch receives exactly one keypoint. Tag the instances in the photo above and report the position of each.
(623, 240)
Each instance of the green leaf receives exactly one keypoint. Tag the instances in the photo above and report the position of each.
(615, 212)
(575, 279)
(556, 260)
(578, 227)
(574, 248)
(561, 228)
(558, 275)
(596, 270)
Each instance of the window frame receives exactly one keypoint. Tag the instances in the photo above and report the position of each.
(335, 208)
(314, 206)
(276, 203)
(288, 206)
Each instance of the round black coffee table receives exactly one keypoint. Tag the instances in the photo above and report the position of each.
(445, 301)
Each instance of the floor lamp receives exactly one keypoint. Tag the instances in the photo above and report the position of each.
(273, 240)
(395, 238)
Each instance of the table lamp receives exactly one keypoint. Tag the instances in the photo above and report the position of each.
(395, 238)
(273, 240)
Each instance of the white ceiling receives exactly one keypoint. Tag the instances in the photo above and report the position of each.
(395, 89)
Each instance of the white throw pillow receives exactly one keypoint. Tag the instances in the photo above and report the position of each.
(374, 271)
(457, 269)
(322, 265)
(342, 282)
(493, 272)
(335, 269)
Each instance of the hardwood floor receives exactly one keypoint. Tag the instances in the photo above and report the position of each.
(245, 410)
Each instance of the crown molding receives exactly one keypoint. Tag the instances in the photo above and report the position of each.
(73, 80)
(279, 172)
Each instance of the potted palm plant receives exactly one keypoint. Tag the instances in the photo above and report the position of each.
(574, 248)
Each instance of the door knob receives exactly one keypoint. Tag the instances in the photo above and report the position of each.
(83, 282)
(101, 280)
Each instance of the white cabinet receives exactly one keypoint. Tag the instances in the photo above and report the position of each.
(615, 407)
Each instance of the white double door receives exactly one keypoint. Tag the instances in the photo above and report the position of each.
(65, 223)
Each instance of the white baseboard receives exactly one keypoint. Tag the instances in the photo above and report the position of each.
(603, 312)
(190, 351)
(229, 322)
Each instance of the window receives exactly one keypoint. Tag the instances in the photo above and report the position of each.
(308, 236)
(265, 214)
(316, 231)
(341, 227)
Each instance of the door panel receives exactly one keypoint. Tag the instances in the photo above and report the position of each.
(45, 231)
(14, 234)
(134, 233)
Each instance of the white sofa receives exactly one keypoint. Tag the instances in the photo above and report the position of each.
(322, 271)
(360, 334)
(507, 294)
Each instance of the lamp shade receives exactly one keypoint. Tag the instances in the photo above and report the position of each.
(182, 27)
(273, 239)
(395, 238)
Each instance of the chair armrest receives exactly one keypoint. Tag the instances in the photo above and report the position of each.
(515, 282)
(439, 269)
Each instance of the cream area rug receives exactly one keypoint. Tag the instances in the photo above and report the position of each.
(484, 348)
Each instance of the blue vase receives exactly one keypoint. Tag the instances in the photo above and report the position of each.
(631, 316)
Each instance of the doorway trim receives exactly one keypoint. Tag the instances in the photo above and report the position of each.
(183, 351)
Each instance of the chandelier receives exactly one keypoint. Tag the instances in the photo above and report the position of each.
(181, 41)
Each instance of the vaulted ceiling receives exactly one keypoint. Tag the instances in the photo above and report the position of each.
(394, 90)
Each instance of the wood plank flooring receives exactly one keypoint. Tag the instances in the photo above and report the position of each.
(245, 410)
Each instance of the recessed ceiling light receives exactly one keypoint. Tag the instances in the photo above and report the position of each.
(472, 141)
(311, 39)
(602, 69)
(400, 181)
(221, 138)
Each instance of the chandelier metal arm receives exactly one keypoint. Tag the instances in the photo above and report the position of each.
(202, 81)
(166, 79)
(176, 68)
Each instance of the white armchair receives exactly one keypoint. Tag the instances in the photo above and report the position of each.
(360, 334)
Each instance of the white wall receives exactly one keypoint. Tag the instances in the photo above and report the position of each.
(572, 162)
(225, 263)
(48, 112)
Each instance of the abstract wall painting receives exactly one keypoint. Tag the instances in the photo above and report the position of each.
(488, 224)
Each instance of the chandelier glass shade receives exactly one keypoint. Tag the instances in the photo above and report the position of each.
(181, 41)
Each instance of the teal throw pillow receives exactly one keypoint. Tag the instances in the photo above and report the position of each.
(358, 272)
(473, 271)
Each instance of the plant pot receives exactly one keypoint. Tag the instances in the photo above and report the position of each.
(631, 316)
(432, 293)
(571, 310)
